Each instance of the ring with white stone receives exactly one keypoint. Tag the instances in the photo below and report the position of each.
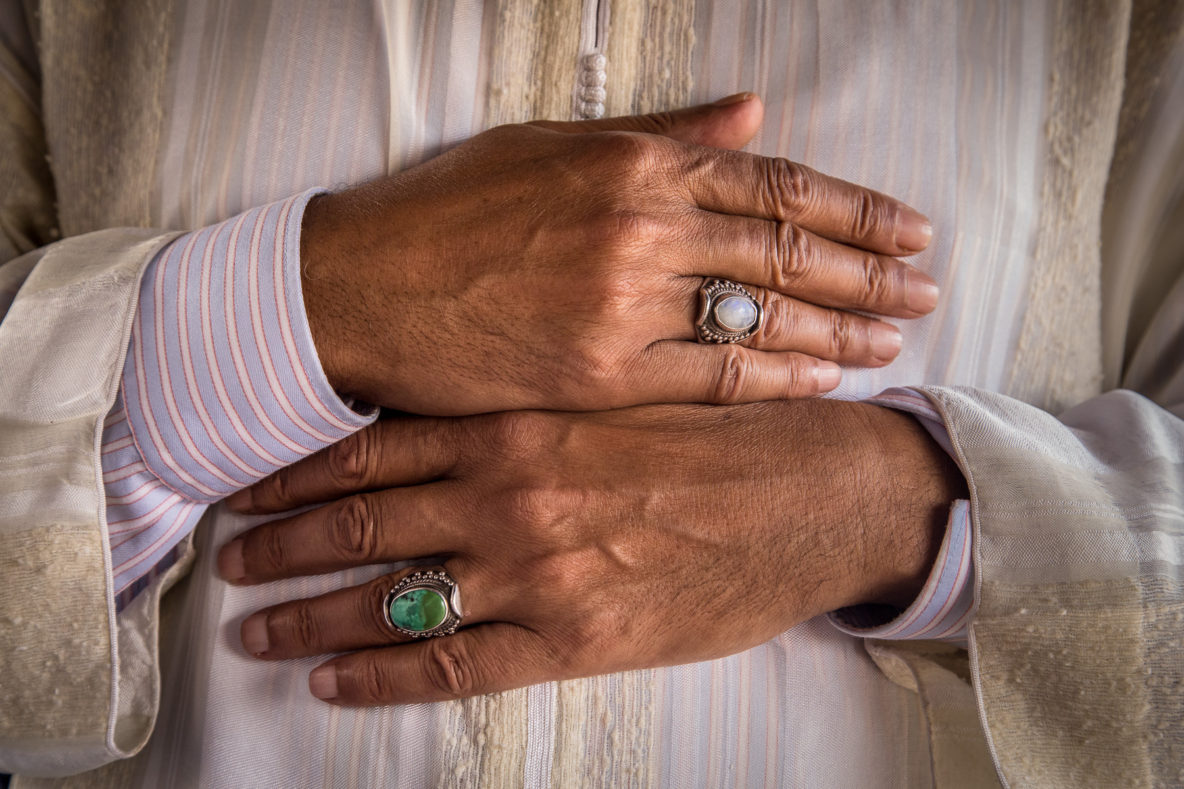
(727, 312)
(423, 604)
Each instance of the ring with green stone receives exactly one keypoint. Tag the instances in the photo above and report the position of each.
(423, 604)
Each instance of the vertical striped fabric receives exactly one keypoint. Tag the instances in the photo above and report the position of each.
(145, 518)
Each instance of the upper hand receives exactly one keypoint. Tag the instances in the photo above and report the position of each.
(590, 543)
(557, 266)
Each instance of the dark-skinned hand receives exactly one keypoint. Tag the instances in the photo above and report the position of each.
(557, 266)
(592, 543)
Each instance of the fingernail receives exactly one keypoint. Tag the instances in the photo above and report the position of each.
(920, 293)
(886, 340)
(735, 98)
(240, 500)
(829, 376)
(254, 634)
(322, 682)
(230, 562)
(913, 230)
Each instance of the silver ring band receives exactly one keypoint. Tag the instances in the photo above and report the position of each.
(727, 312)
(423, 605)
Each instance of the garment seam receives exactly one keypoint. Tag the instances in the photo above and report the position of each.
(131, 305)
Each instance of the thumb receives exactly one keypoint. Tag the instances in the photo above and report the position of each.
(728, 123)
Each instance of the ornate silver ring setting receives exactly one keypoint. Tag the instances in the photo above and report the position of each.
(727, 312)
(423, 604)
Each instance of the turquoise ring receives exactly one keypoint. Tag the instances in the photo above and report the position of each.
(423, 604)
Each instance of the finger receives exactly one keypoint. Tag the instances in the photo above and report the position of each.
(388, 452)
(842, 337)
(673, 371)
(787, 258)
(485, 659)
(789, 324)
(728, 123)
(367, 528)
(732, 182)
(345, 619)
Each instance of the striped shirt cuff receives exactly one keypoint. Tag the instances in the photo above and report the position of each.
(222, 384)
(145, 519)
(945, 607)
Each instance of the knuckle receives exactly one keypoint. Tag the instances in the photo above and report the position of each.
(790, 187)
(731, 377)
(778, 324)
(620, 240)
(630, 164)
(556, 573)
(369, 680)
(610, 230)
(449, 667)
(350, 460)
(629, 149)
(276, 489)
(792, 254)
(870, 216)
(614, 154)
(534, 508)
(621, 233)
(267, 548)
(517, 434)
(877, 282)
(840, 333)
(637, 228)
(625, 225)
(584, 639)
(659, 122)
(371, 604)
(600, 631)
(510, 131)
(355, 529)
(302, 626)
(799, 378)
(594, 368)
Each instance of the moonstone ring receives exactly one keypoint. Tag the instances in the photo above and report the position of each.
(423, 604)
(727, 312)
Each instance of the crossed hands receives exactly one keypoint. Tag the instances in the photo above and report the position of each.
(556, 266)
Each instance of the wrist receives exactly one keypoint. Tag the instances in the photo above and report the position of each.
(911, 485)
(325, 294)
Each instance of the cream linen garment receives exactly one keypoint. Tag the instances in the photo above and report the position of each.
(1043, 139)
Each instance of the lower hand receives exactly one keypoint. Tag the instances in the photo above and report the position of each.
(592, 543)
(557, 266)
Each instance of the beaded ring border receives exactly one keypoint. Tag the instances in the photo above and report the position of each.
(709, 327)
(437, 581)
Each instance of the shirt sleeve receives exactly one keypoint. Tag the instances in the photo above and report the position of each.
(945, 606)
(221, 387)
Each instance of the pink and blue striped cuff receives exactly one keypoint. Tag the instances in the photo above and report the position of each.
(222, 384)
(945, 607)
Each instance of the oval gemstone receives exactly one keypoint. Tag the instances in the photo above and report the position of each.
(736, 313)
(419, 609)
